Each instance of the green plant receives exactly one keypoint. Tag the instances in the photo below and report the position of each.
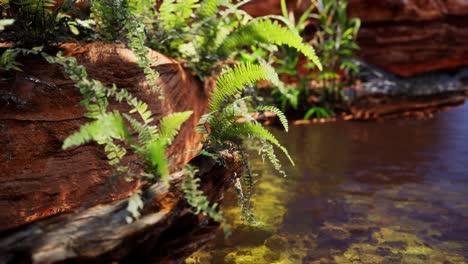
(109, 128)
(222, 124)
(42, 22)
(195, 31)
(198, 200)
(319, 112)
(202, 34)
(335, 42)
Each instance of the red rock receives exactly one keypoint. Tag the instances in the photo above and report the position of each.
(40, 108)
(410, 37)
(405, 37)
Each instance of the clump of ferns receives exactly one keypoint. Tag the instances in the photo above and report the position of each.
(207, 32)
(222, 125)
(116, 131)
(42, 22)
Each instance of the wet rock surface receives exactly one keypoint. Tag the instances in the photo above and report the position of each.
(40, 107)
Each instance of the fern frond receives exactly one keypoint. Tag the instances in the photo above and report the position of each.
(270, 32)
(136, 41)
(107, 126)
(170, 124)
(278, 113)
(201, 125)
(198, 200)
(146, 132)
(258, 131)
(173, 14)
(208, 8)
(234, 80)
(155, 155)
(267, 150)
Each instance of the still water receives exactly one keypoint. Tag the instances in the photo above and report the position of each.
(370, 192)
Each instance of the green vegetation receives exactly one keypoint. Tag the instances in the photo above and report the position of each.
(208, 36)
(109, 129)
(315, 93)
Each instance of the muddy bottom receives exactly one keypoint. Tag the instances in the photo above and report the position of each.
(361, 192)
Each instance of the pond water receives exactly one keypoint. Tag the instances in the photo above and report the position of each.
(370, 192)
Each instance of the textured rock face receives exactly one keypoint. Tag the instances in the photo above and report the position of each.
(40, 107)
(405, 37)
(167, 231)
(413, 36)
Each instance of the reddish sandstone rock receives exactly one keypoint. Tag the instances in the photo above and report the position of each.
(409, 37)
(40, 107)
(405, 37)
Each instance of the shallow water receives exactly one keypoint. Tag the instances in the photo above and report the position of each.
(388, 192)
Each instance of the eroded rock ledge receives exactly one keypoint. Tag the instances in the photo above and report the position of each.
(40, 107)
(167, 230)
(385, 95)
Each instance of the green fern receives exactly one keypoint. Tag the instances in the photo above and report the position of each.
(174, 13)
(136, 41)
(278, 113)
(266, 31)
(170, 124)
(233, 82)
(223, 119)
(208, 8)
(110, 130)
(198, 200)
(107, 126)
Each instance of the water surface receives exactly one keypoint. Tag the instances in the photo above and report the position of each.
(370, 192)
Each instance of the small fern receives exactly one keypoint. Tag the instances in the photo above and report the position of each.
(174, 13)
(223, 119)
(136, 41)
(233, 82)
(198, 200)
(267, 31)
(208, 8)
(278, 113)
(170, 125)
(109, 128)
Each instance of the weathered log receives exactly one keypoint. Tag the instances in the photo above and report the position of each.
(40, 107)
(100, 234)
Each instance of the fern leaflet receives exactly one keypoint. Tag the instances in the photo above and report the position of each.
(266, 31)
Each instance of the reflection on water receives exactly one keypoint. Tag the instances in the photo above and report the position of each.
(390, 192)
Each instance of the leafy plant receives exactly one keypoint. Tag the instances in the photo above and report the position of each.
(109, 128)
(336, 44)
(203, 34)
(198, 200)
(222, 124)
(318, 112)
(42, 22)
